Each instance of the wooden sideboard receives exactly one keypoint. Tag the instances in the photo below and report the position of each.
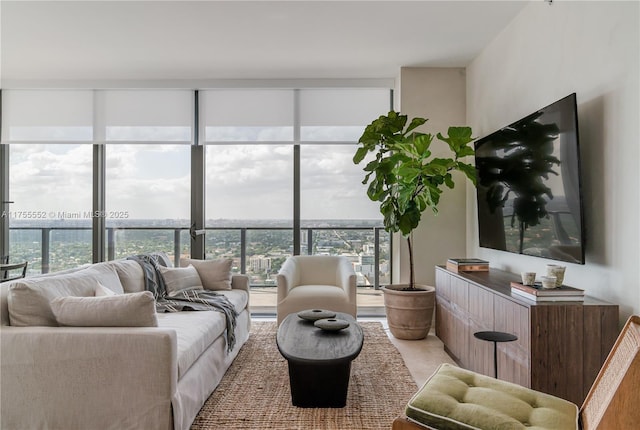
(561, 345)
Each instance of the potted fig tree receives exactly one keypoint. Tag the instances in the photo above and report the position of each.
(407, 179)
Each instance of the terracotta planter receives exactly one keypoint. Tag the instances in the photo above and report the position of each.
(409, 313)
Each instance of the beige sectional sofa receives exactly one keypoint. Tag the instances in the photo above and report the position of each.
(61, 377)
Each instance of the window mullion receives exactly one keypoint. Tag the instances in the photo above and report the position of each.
(98, 223)
(296, 172)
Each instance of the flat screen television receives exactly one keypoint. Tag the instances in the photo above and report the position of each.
(529, 193)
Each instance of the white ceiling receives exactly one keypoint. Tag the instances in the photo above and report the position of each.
(80, 40)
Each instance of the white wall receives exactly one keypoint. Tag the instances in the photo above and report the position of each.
(548, 52)
(439, 95)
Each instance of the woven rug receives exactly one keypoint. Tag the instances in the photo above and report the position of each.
(255, 394)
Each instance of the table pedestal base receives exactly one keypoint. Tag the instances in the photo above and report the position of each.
(319, 386)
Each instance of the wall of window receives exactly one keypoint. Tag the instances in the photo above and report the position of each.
(277, 174)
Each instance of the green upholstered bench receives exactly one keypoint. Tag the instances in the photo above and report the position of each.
(455, 398)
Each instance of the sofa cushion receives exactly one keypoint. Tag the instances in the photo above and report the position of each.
(215, 274)
(130, 273)
(102, 291)
(195, 331)
(455, 398)
(118, 310)
(29, 300)
(238, 298)
(177, 279)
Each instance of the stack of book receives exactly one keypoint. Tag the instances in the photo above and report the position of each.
(467, 265)
(536, 293)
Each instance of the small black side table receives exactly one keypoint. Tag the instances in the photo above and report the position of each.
(495, 337)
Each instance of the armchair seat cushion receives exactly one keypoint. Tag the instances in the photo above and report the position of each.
(455, 398)
(327, 297)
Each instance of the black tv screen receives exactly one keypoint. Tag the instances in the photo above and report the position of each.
(529, 193)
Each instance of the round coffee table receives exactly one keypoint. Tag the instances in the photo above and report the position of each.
(319, 361)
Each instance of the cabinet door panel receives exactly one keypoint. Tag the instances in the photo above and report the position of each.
(459, 293)
(444, 322)
(460, 335)
(513, 357)
(481, 307)
(480, 351)
(443, 284)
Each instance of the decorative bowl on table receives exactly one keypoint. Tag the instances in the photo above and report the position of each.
(331, 324)
(316, 314)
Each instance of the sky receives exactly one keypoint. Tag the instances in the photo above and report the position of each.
(149, 181)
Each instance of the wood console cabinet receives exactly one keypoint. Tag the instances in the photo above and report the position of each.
(561, 345)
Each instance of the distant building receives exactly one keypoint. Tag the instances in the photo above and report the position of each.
(259, 264)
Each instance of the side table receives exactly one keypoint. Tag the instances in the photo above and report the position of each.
(495, 337)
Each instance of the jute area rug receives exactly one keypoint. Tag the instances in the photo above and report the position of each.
(255, 394)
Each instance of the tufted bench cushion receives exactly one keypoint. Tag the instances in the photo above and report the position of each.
(455, 398)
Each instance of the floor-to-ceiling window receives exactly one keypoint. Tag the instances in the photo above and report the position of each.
(248, 135)
(277, 173)
(336, 214)
(50, 177)
(147, 135)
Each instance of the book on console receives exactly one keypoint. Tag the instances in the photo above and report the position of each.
(537, 290)
(467, 265)
(552, 298)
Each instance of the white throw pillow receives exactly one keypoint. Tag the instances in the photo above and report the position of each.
(119, 310)
(215, 274)
(102, 291)
(178, 279)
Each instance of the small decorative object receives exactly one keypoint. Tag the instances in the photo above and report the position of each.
(528, 278)
(558, 272)
(316, 314)
(331, 324)
(548, 282)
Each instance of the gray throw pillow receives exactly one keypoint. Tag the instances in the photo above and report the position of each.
(177, 279)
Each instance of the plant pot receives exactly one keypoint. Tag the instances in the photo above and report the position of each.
(409, 313)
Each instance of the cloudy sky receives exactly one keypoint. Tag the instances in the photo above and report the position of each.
(250, 181)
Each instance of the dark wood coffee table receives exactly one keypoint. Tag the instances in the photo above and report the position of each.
(319, 361)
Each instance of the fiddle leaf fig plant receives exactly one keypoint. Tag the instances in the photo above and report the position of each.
(405, 177)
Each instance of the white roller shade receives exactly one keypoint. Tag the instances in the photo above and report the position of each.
(147, 115)
(247, 115)
(339, 114)
(47, 116)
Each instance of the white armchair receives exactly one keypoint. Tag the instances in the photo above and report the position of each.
(316, 282)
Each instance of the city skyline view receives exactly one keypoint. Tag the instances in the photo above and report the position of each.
(53, 245)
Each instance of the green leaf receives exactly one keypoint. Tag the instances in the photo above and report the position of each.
(415, 123)
(360, 154)
(469, 171)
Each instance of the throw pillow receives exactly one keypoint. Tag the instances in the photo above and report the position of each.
(119, 310)
(102, 291)
(215, 274)
(29, 300)
(178, 279)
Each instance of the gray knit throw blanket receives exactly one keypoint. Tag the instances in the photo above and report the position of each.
(188, 300)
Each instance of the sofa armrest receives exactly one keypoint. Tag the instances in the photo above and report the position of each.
(72, 377)
(240, 282)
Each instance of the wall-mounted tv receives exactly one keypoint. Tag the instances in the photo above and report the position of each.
(529, 193)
